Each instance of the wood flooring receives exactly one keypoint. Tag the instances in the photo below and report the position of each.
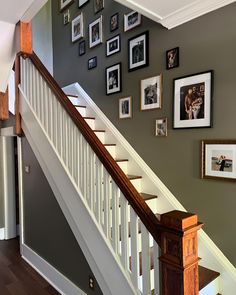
(16, 276)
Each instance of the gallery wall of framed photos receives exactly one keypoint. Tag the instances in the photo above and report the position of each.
(197, 54)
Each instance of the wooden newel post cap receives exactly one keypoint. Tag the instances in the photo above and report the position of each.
(179, 220)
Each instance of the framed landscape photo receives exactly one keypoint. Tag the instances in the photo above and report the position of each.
(66, 17)
(125, 107)
(113, 45)
(151, 93)
(82, 48)
(113, 79)
(65, 3)
(92, 63)
(82, 2)
(219, 159)
(131, 20)
(193, 101)
(95, 32)
(138, 51)
(77, 28)
(114, 22)
(98, 5)
(161, 127)
(172, 58)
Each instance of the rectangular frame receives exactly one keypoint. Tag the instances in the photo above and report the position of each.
(66, 17)
(95, 32)
(114, 22)
(81, 3)
(151, 93)
(92, 63)
(125, 107)
(172, 58)
(192, 106)
(219, 159)
(138, 51)
(161, 127)
(132, 20)
(64, 4)
(98, 5)
(82, 48)
(113, 79)
(78, 25)
(113, 45)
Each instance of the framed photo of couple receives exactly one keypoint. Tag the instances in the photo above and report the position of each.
(193, 101)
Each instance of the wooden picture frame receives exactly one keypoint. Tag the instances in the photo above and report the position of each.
(113, 79)
(132, 20)
(172, 58)
(151, 93)
(125, 107)
(95, 32)
(113, 45)
(63, 4)
(77, 28)
(161, 127)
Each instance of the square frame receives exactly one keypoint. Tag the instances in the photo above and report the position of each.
(151, 93)
(172, 58)
(114, 22)
(125, 107)
(81, 3)
(82, 48)
(65, 4)
(98, 5)
(77, 28)
(219, 159)
(132, 20)
(113, 45)
(95, 32)
(161, 127)
(138, 51)
(113, 79)
(192, 96)
(92, 63)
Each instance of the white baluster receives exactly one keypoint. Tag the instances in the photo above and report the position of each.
(98, 190)
(107, 209)
(124, 231)
(134, 248)
(156, 255)
(146, 278)
(115, 216)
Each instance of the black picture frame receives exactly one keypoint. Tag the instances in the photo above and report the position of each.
(98, 5)
(82, 48)
(172, 58)
(92, 63)
(113, 82)
(138, 46)
(113, 45)
(114, 22)
(192, 101)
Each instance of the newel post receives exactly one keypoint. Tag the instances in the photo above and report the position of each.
(179, 253)
(4, 102)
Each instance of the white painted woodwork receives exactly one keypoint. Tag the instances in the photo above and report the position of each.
(101, 136)
(91, 123)
(112, 150)
(81, 110)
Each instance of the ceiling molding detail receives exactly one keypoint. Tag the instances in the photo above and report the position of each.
(32, 10)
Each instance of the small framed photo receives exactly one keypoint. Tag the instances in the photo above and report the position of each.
(82, 48)
(65, 3)
(113, 45)
(161, 127)
(131, 20)
(219, 159)
(82, 3)
(77, 28)
(113, 79)
(92, 63)
(95, 32)
(172, 58)
(114, 22)
(125, 107)
(98, 5)
(66, 17)
(138, 51)
(151, 93)
(193, 101)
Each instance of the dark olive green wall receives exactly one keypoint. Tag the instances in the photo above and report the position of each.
(206, 43)
(46, 229)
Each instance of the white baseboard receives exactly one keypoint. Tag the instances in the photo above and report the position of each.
(63, 285)
(2, 233)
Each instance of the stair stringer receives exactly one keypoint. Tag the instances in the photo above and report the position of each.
(99, 254)
(212, 256)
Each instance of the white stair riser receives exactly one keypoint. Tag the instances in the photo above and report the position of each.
(101, 136)
(74, 100)
(82, 111)
(112, 150)
(123, 166)
(137, 184)
(153, 205)
(91, 123)
(211, 289)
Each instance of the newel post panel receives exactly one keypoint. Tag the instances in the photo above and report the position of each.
(179, 253)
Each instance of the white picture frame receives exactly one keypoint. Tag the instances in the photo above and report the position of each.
(63, 4)
(113, 79)
(125, 107)
(95, 32)
(77, 28)
(161, 127)
(132, 20)
(151, 93)
(82, 3)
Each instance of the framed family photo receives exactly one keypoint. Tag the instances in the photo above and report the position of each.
(132, 20)
(114, 22)
(92, 63)
(219, 159)
(63, 4)
(172, 58)
(193, 101)
(161, 127)
(66, 17)
(82, 2)
(125, 107)
(95, 32)
(113, 45)
(98, 5)
(82, 48)
(77, 28)
(138, 51)
(113, 79)
(151, 93)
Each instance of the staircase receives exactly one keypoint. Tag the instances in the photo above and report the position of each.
(119, 199)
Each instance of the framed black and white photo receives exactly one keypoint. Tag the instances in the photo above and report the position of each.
(219, 159)
(77, 28)
(98, 5)
(138, 51)
(66, 17)
(114, 22)
(113, 79)
(65, 3)
(161, 127)
(92, 63)
(151, 93)
(82, 48)
(192, 101)
(172, 58)
(125, 107)
(113, 45)
(82, 3)
(95, 32)
(131, 20)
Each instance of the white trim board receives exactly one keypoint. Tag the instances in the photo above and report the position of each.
(2, 233)
(62, 284)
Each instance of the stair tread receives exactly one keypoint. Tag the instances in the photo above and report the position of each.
(79, 106)
(133, 177)
(89, 118)
(148, 197)
(96, 130)
(121, 160)
(206, 276)
(109, 144)
(72, 95)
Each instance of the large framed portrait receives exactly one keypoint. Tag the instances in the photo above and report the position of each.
(95, 32)
(64, 4)
(98, 5)
(151, 93)
(138, 51)
(132, 20)
(193, 101)
(82, 3)
(219, 159)
(77, 28)
(113, 79)
(113, 45)
(125, 107)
